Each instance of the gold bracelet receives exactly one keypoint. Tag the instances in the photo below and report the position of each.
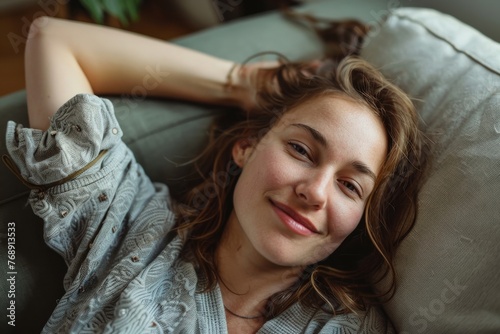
(229, 77)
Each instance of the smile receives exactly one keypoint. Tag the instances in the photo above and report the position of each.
(293, 220)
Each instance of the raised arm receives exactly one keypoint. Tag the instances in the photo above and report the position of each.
(65, 58)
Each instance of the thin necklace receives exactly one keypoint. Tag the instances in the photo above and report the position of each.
(242, 316)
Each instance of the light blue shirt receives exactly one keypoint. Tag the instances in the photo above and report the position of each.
(111, 225)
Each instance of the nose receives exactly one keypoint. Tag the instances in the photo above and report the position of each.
(314, 188)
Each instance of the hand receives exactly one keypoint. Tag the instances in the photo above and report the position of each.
(246, 80)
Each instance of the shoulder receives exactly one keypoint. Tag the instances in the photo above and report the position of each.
(299, 319)
(373, 320)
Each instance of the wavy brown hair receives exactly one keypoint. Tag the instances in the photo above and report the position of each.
(343, 282)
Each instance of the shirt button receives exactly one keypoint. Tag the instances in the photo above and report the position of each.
(103, 197)
(115, 131)
(122, 312)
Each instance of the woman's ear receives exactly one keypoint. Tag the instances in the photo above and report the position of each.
(242, 150)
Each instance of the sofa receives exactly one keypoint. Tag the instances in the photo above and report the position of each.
(449, 265)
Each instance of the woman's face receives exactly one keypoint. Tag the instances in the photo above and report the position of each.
(304, 186)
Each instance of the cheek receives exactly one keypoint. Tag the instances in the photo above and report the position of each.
(259, 173)
(345, 222)
(266, 167)
(339, 232)
(355, 219)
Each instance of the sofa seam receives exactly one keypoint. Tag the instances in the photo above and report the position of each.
(447, 41)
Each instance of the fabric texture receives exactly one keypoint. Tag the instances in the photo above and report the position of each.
(448, 267)
(111, 225)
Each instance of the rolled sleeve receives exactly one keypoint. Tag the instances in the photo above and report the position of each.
(81, 129)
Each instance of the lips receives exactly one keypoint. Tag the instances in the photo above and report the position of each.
(293, 219)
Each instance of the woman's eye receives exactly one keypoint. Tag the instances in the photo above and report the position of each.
(299, 149)
(351, 187)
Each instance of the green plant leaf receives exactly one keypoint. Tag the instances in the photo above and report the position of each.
(95, 9)
(117, 8)
(124, 10)
(132, 8)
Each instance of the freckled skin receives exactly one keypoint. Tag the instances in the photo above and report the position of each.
(320, 183)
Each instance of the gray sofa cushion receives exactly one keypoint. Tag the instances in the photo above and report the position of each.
(449, 265)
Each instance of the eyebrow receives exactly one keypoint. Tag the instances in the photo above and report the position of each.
(359, 166)
(314, 133)
(364, 169)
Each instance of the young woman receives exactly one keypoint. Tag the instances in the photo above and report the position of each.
(314, 182)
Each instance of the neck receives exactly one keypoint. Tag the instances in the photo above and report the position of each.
(247, 278)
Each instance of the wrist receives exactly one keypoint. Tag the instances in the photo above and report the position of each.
(241, 86)
(235, 88)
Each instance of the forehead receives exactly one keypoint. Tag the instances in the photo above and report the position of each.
(330, 107)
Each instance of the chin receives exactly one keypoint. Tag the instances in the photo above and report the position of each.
(285, 254)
